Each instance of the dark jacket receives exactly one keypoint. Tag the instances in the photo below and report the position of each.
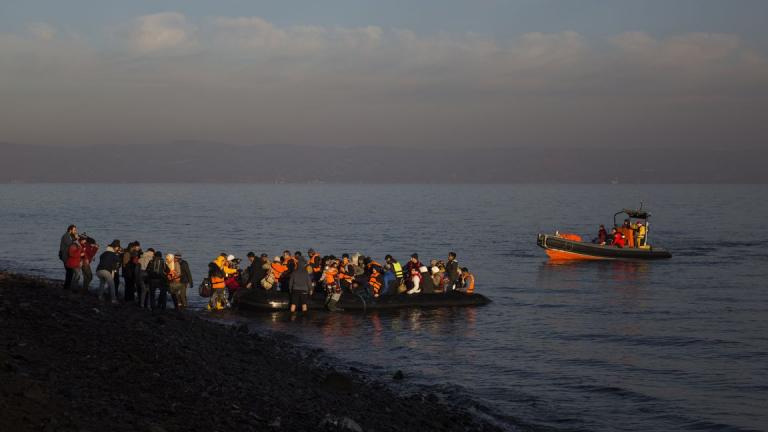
(256, 272)
(452, 270)
(66, 240)
(108, 261)
(186, 274)
(157, 263)
(427, 286)
(300, 281)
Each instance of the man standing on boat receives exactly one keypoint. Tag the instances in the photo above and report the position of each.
(452, 271)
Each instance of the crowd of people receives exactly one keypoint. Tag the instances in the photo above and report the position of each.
(149, 277)
(632, 235)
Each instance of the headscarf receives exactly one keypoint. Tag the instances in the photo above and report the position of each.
(170, 262)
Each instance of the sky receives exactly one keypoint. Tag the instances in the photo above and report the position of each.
(428, 73)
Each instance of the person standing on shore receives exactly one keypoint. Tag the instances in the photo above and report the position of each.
(156, 271)
(105, 271)
(299, 286)
(142, 281)
(185, 281)
(129, 259)
(216, 274)
(75, 264)
(171, 275)
(67, 239)
(90, 248)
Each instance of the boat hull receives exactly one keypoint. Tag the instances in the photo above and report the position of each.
(558, 248)
(261, 300)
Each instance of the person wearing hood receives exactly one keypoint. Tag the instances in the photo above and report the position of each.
(67, 239)
(109, 261)
(216, 272)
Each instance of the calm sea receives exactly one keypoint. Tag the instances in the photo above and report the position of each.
(680, 344)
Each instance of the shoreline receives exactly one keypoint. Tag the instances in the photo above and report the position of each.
(71, 362)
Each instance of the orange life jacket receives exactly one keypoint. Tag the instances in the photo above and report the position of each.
(217, 282)
(470, 281)
(314, 261)
(278, 269)
(330, 276)
(343, 268)
(373, 281)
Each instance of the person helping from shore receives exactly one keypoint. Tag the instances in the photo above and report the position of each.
(74, 263)
(299, 286)
(109, 261)
(143, 280)
(233, 276)
(89, 250)
(217, 274)
(156, 271)
(69, 237)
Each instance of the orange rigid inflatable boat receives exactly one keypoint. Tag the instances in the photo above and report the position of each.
(566, 247)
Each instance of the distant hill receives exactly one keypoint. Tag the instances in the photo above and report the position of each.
(213, 162)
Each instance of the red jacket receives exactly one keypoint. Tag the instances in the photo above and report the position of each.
(73, 256)
(618, 240)
(89, 251)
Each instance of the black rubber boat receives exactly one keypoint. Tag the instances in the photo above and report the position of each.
(261, 300)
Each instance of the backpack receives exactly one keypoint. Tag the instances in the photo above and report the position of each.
(155, 269)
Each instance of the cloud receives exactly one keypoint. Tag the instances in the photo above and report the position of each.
(245, 79)
(42, 31)
(161, 32)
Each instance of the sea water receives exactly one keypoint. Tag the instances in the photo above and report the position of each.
(679, 344)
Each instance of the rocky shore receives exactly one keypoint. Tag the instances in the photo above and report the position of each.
(72, 363)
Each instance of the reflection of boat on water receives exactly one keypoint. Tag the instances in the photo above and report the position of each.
(571, 246)
(260, 300)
